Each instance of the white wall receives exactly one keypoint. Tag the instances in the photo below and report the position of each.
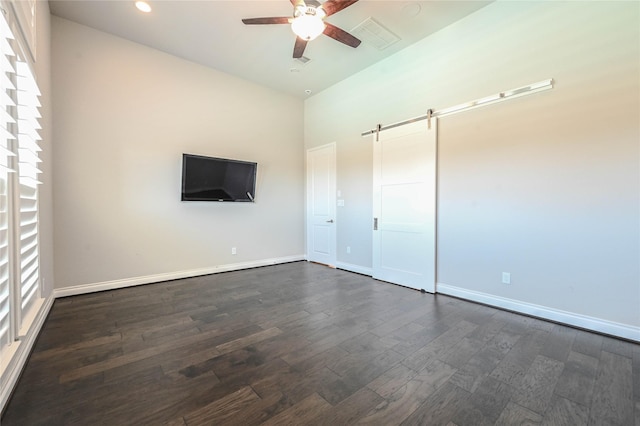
(125, 113)
(546, 187)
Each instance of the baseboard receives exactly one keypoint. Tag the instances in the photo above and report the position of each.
(149, 279)
(355, 268)
(18, 359)
(581, 321)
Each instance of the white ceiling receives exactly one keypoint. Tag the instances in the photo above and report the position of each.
(211, 33)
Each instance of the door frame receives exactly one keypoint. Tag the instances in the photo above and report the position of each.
(332, 257)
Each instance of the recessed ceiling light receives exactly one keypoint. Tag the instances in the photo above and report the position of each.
(307, 91)
(143, 6)
(411, 9)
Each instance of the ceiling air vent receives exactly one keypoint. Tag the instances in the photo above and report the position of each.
(372, 32)
(303, 60)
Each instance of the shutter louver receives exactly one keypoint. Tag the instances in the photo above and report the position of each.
(28, 148)
(6, 120)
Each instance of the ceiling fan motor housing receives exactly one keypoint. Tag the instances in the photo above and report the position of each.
(301, 10)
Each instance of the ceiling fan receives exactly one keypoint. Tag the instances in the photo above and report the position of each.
(308, 22)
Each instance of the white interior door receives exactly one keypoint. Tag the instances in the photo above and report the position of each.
(404, 205)
(321, 204)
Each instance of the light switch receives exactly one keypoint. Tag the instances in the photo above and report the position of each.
(340, 203)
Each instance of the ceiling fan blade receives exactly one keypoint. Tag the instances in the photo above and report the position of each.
(263, 21)
(341, 35)
(298, 48)
(335, 6)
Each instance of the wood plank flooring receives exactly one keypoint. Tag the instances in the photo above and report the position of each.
(303, 344)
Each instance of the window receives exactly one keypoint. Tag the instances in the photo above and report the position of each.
(6, 102)
(19, 158)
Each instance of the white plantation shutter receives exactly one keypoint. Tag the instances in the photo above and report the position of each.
(6, 119)
(28, 159)
(5, 295)
(19, 179)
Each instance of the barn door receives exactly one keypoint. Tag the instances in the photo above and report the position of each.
(404, 205)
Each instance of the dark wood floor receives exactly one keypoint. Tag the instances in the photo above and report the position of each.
(305, 344)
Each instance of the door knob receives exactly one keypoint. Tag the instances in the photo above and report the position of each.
(330, 221)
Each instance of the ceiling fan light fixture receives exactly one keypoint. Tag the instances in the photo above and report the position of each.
(307, 23)
(307, 27)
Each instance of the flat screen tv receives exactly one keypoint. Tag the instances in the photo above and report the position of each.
(217, 179)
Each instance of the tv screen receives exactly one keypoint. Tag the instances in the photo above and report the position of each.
(217, 179)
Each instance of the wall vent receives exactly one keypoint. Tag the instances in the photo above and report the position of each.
(372, 32)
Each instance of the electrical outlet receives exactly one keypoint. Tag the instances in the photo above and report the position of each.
(348, 249)
(506, 278)
(233, 250)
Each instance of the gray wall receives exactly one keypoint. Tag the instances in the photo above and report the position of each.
(125, 113)
(546, 187)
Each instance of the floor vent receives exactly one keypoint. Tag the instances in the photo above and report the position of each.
(372, 32)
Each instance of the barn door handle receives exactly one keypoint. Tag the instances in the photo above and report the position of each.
(375, 223)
